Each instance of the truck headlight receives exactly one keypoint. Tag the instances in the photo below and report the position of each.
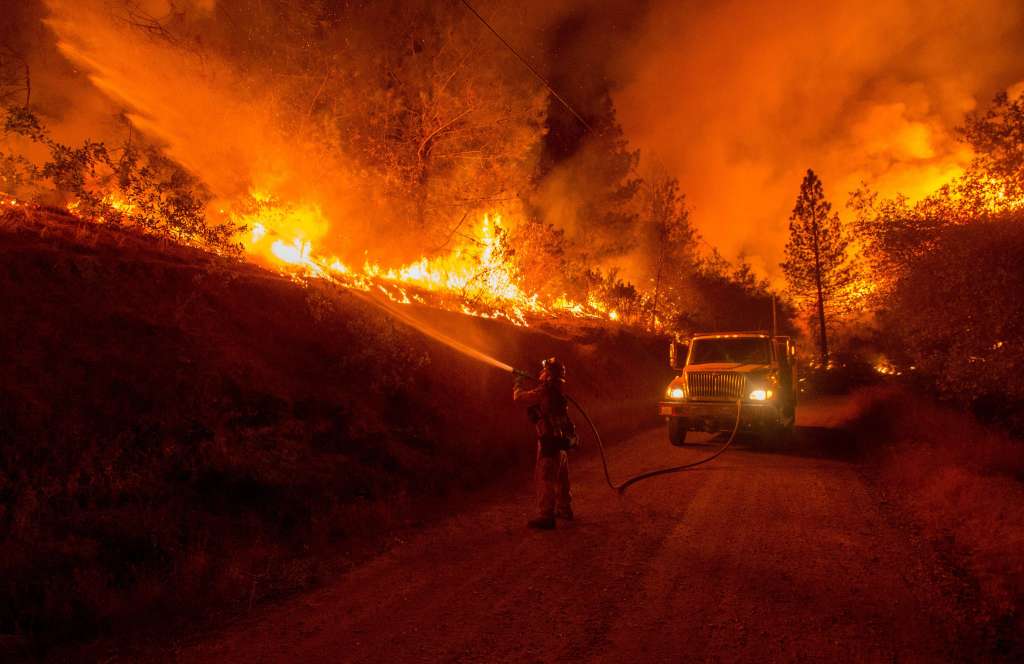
(675, 393)
(760, 395)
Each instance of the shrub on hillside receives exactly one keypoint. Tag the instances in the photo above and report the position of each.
(956, 315)
(129, 186)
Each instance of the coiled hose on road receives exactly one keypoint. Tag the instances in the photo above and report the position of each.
(629, 481)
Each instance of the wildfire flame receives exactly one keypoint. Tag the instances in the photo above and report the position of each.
(11, 202)
(886, 368)
(998, 200)
(477, 277)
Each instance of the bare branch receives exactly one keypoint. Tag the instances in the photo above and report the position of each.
(153, 26)
(425, 145)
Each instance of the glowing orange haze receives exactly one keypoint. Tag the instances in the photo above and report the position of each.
(740, 97)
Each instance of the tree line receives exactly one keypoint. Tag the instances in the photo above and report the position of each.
(935, 284)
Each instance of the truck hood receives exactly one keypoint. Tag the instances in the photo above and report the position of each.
(728, 366)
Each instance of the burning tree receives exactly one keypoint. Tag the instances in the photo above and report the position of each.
(895, 232)
(817, 265)
(393, 146)
(541, 255)
(997, 137)
(447, 124)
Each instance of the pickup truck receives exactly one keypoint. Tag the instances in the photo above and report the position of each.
(717, 370)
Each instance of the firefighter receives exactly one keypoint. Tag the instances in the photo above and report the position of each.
(548, 409)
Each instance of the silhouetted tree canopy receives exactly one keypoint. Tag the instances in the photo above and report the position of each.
(946, 269)
(817, 265)
(957, 314)
(997, 136)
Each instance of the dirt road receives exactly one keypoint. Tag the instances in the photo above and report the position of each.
(759, 556)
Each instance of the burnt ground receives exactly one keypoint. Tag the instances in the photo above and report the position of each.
(763, 555)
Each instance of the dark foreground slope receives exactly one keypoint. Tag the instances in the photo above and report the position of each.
(180, 430)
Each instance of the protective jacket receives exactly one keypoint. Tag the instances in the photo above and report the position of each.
(549, 412)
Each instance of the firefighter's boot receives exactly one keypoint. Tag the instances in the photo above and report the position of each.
(542, 523)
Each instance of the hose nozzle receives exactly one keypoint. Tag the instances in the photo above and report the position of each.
(520, 373)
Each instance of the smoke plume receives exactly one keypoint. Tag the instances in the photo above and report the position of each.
(736, 98)
(739, 98)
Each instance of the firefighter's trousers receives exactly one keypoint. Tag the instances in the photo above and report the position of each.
(551, 476)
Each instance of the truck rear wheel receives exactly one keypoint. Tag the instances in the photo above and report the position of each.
(677, 431)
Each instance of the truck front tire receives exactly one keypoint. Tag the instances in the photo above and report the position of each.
(780, 435)
(677, 427)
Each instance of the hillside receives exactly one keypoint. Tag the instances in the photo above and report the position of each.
(181, 430)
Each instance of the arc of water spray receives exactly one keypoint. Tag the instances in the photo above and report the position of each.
(436, 334)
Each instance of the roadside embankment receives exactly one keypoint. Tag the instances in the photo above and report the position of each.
(963, 484)
(181, 431)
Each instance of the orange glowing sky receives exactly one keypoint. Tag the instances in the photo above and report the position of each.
(739, 98)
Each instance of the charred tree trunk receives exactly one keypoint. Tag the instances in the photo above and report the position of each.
(823, 338)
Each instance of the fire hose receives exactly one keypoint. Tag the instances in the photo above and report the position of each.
(629, 481)
(469, 351)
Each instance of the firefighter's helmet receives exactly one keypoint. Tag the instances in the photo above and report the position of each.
(552, 369)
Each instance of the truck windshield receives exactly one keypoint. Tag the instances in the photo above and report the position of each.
(738, 351)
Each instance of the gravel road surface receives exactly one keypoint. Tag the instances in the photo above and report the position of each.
(763, 555)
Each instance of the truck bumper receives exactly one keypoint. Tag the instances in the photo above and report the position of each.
(720, 415)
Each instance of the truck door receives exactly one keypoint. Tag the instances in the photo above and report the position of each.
(786, 357)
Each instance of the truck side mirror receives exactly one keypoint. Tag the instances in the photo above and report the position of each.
(677, 355)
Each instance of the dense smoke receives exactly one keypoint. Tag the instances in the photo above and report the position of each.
(212, 118)
(380, 125)
(739, 98)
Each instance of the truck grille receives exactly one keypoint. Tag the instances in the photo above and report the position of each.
(715, 385)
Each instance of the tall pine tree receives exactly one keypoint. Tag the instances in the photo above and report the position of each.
(817, 265)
